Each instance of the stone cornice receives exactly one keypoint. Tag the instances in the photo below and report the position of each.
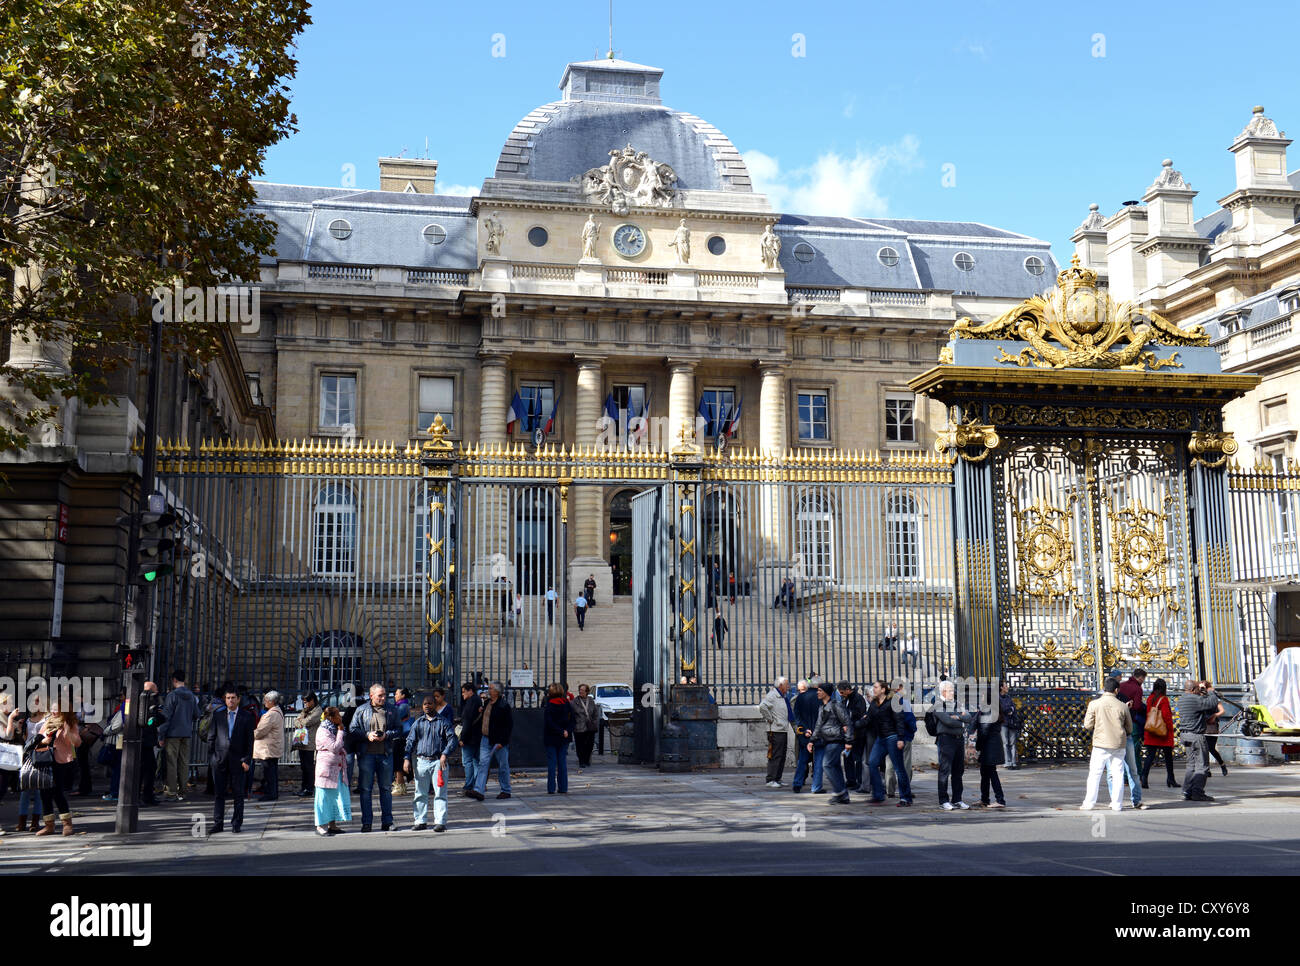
(1245, 197)
(1187, 243)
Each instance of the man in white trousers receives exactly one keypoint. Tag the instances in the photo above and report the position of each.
(1109, 720)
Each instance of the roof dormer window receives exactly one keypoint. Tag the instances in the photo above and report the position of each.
(340, 229)
(964, 261)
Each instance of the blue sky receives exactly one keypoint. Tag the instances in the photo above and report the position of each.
(1010, 95)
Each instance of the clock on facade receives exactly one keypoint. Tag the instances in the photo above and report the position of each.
(629, 241)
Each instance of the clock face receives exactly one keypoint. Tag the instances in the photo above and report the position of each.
(629, 240)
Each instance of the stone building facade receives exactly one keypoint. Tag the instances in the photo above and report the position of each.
(618, 260)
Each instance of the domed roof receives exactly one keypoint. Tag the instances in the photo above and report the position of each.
(607, 105)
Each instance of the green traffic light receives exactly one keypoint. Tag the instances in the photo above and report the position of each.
(150, 575)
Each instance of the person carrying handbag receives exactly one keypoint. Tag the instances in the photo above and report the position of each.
(54, 758)
(1158, 733)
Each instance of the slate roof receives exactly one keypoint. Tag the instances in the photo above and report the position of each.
(1252, 312)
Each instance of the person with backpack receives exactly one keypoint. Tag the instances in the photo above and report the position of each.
(885, 723)
(909, 725)
(830, 733)
(947, 721)
(1011, 725)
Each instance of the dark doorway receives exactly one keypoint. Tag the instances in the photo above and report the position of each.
(620, 541)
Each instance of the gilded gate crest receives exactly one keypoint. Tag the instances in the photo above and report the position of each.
(1139, 554)
(1075, 325)
(1044, 549)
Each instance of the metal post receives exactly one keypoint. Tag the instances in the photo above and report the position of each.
(128, 805)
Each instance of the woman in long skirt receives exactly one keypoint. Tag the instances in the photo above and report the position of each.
(333, 797)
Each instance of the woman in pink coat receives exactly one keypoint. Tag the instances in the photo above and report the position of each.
(333, 797)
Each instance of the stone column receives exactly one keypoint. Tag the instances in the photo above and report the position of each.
(487, 508)
(773, 439)
(494, 397)
(682, 401)
(586, 503)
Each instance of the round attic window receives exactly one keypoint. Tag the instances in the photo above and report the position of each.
(717, 245)
(963, 261)
(803, 252)
(340, 229)
(434, 234)
(537, 236)
(1035, 265)
(888, 257)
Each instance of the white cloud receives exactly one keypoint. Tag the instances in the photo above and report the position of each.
(833, 184)
(850, 104)
(456, 189)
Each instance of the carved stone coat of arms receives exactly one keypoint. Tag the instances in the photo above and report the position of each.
(630, 178)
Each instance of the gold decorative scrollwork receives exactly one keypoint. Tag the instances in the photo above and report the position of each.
(1090, 417)
(688, 625)
(688, 546)
(962, 438)
(1076, 326)
(1044, 550)
(1139, 553)
(1212, 449)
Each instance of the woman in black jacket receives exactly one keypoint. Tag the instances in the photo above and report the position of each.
(988, 745)
(557, 729)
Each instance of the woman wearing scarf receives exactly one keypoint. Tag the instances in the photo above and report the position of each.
(59, 731)
(333, 797)
(557, 729)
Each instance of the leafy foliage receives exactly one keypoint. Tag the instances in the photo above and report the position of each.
(129, 130)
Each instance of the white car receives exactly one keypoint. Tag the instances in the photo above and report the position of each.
(613, 698)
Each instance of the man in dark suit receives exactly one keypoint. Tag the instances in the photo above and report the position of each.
(230, 752)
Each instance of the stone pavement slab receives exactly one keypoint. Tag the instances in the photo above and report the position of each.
(638, 821)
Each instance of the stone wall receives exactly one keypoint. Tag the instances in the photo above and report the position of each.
(742, 741)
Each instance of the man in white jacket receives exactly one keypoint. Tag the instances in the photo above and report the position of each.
(776, 715)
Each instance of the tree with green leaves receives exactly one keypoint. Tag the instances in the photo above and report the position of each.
(130, 133)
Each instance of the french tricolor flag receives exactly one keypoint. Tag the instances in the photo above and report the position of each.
(515, 413)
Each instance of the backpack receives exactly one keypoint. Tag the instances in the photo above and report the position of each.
(910, 719)
(931, 724)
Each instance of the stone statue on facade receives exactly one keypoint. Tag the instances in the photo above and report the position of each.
(630, 178)
(770, 247)
(682, 243)
(495, 233)
(590, 235)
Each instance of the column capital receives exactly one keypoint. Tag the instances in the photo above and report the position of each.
(772, 367)
(493, 357)
(588, 361)
(680, 364)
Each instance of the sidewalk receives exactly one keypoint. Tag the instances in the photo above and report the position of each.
(632, 820)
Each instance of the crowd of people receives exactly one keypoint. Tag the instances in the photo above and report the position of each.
(863, 743)
(849, 740)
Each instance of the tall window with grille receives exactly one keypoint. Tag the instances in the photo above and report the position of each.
(334, 532)
(437, 397)
(538, 398)
(899, 418)
(814, 418)
(338, 400)
(902, 537)
(716, 406)
(630, 402)
(1284, 512)
(816, 531)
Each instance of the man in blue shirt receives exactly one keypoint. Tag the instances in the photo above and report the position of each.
(430, 741)
(374, 729)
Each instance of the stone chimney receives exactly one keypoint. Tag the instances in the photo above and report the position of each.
(1125, 231)
(1264, 203)
(415, 175)
(1090, 243)
(1172, 248)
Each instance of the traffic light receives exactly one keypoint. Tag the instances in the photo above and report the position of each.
(155, 541)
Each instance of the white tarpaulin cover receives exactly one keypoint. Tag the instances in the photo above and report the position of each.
(1278, 688)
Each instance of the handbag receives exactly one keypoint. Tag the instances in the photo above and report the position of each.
(11, 757)
(37, 772)
(1155, 724)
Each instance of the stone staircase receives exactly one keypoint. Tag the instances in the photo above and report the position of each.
(603, 652)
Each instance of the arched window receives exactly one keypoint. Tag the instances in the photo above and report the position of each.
(328, 662)
(334, 532)
(816, 531)
(903, 537)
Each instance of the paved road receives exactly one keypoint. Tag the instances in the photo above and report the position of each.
(629, 820)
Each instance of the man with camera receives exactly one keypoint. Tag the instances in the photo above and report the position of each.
(374, 729)
(1196, 708)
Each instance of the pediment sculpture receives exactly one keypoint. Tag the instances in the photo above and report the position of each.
(1077, 326)
(630, 178)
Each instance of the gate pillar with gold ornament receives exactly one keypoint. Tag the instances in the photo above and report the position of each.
(1091, 529)
(439, 464)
